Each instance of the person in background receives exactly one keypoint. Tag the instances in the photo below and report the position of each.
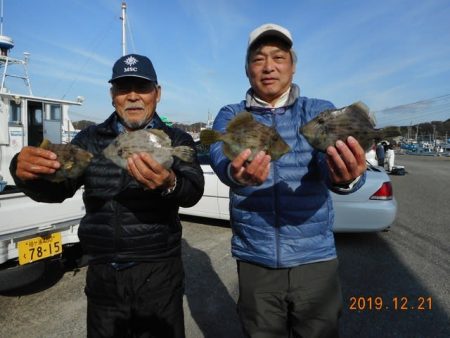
(380, 154)
(371, 156)
(390, 157)
(131, 231)
(281, 211)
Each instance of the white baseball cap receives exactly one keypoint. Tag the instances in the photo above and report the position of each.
(270, 29)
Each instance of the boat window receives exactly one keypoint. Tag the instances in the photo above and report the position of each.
(53, 112)
(36, 117)
(15, 113)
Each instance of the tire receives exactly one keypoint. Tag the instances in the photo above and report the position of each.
(20, 275)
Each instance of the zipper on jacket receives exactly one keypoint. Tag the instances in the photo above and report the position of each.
(116, 225)
(275, 202)
(116, 216)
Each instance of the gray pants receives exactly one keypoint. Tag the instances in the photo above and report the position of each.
(304, 301)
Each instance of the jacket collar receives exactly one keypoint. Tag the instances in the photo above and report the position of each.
(111, 125)
(252, 104)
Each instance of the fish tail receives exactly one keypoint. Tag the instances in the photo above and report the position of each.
(209, 136)
(45, 143)
(184, 153)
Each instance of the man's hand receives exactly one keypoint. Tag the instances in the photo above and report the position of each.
(346, 161)
(253, 173)
(149, 172)
(33, 162)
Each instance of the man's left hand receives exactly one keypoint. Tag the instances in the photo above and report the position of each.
(150, 173)
(346, 161)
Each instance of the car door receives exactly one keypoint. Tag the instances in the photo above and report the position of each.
(208, 205)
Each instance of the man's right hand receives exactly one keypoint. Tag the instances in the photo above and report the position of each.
(253, 173)
(33, 161)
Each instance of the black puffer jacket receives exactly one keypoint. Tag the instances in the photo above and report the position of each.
(124, 221)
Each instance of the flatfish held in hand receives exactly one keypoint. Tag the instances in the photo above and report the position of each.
(73, 160)
(243, 132)
(153, 141)
(338, 124)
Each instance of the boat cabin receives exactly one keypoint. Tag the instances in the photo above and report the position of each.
(25, 119)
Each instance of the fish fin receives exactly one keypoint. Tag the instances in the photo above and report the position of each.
(209, 136)
(240, 119)
(228, 151)
(184, 153)
(45, 143)
(364, 111)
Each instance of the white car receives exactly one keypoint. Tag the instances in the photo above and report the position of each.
(372, 208)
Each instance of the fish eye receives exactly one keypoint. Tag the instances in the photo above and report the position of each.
(320, 120)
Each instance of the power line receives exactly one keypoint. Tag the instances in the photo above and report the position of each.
(95, 43)
(402, 106)
(431, 108)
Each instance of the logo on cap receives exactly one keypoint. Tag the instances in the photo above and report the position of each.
(134, 65)
(130, 61)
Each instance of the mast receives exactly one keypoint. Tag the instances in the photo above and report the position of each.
(1, 22)
(7, 43)
(123, 18)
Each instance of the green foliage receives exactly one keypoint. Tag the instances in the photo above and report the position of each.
(82, 124)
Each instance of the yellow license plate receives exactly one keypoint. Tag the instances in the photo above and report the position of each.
(34, 249)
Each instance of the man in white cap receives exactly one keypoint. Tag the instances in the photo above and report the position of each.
(281, 211)
(131, 232)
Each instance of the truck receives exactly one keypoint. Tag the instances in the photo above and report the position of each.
(31, 233)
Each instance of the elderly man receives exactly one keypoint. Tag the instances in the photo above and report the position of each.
(281, 211)
(131, 231)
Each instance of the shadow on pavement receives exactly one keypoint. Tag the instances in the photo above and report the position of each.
(212, 307)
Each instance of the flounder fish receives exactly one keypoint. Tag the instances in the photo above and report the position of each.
(73, 160)
(337, 124)
(243, 132)
(153, 141)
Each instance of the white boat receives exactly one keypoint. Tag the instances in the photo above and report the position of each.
(31, 233)
(26, 119)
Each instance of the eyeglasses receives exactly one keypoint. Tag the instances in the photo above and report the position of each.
(141, 87)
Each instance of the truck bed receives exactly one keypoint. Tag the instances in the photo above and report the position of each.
(22, 218)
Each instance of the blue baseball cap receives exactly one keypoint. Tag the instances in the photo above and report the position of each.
(134, 65)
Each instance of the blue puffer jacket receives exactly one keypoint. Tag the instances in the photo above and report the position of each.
(286, 221)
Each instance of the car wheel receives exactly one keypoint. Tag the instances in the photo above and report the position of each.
(18, 276)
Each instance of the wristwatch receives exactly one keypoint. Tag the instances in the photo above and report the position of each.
(346, 186)
(170, 189)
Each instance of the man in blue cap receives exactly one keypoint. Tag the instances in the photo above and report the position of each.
(131, 231)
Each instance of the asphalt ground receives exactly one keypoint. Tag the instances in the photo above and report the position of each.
(394, 283)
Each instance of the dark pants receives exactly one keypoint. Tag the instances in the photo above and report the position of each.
(145, 300)
(303, 301)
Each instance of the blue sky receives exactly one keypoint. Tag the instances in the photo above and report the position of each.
(392, 55)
